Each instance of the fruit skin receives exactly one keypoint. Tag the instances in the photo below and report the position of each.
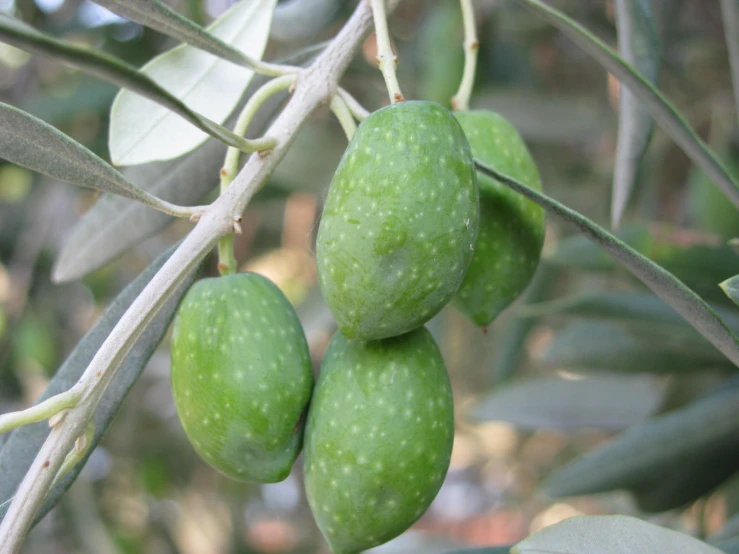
(512, 228)
(241, 376)
(400, 221)
(378, 439)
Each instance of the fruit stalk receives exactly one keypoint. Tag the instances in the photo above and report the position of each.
(344, 115)
(318, 83)
(387, 61)
(461, 100)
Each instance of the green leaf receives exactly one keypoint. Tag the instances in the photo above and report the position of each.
(588, 345)
(509, 343)
(640, 455)
(553, 402)
(160, 17)
(32, 143)
(645, 308)
(637, 41)
(115, 71)
(142, 132)
(731, 288)
(688, 478)
(661, 109)
(297, 20)
(694, 259)
(21, 447)
(665, 285)
(730, 14)
(112, 226)
(609, 535)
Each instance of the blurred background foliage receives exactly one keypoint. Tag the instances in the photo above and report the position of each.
(587, 358)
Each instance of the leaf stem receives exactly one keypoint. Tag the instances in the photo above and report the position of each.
(386, 58)
(41, 411)
(663, 283)
(359, 112)
(461, 100)
(344, 115)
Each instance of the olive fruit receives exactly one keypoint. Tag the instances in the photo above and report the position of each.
(400, 221)
(378, 438)
(241, 376)
(511, 236)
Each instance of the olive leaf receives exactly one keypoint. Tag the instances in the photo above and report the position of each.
(640, 455)
(620, 306)
(552, 402)
(730, 15)
(509, 343)
(114, 225)
(112, 69)
(700, 263)
(637, 42)
(664, 113)
(21, 447)
(296, 20)
(688, 478)
(609, 535)
(634, 348)
(142, 132)
(665, 285)
(731, 288)
(160, 17)
(27, 141)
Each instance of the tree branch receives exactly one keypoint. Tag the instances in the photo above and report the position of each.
(315, 86)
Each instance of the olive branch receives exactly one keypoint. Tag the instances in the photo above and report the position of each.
(315, 85)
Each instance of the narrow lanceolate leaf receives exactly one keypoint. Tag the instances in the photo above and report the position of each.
(27, 141)
(665, 285)
(640, 455)
(661, 109)
(113, 225)
(730, 14)
(117, 72)
(731, 288)
(637, 42)
(553, 402)
(162, 18)
(646, 308)
(509, 344)
(697, 260)
(21, 447)
(141, 131)
(635, 348)
(609, 535)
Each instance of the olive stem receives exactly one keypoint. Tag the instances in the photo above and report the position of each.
(344, 115)
(359, 112)
(227, 263)
(387, 61)
(461, 100)
(315, 86)
(44, 410)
